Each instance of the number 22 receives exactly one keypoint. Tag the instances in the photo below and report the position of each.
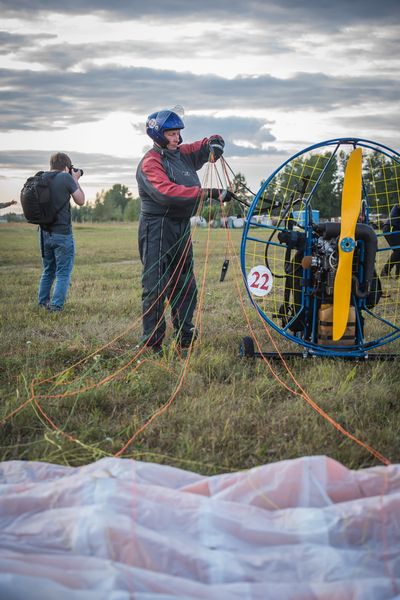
(263, 285)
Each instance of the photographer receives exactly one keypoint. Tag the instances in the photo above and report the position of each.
(56, 240)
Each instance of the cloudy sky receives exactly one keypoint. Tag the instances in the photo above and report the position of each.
(271, 76)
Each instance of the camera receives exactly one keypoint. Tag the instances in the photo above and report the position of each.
(72, 168)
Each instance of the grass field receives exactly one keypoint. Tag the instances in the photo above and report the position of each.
(73, 391)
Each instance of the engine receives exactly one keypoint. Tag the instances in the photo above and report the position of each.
(313, 274)
(323, 264)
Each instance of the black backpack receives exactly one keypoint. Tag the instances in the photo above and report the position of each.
(36, 201)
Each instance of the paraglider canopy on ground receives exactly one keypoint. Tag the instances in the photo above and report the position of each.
(118, 529)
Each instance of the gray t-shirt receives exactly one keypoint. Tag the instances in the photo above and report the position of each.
(61, 188)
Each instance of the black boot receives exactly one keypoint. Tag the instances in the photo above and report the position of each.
(184, 340)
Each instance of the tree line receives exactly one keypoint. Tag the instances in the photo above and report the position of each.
(380, 186)
(115, 204)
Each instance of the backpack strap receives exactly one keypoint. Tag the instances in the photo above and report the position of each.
(52, 175)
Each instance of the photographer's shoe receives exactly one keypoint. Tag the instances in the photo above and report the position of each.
(54, 308)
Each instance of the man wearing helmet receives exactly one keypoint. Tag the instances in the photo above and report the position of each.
(170, 192)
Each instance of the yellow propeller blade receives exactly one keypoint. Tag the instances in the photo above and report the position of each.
(351, 206)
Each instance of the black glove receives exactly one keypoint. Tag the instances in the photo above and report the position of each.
(216, 146)
(216, 194)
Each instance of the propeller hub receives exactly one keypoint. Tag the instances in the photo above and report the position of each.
(347, 244)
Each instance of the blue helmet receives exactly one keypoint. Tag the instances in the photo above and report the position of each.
(161, 121)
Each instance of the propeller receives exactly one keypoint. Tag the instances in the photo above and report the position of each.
(350, 210)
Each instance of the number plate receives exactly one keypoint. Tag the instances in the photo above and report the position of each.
(260, 280)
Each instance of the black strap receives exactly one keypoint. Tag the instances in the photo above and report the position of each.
(52, 174)
(41, 242)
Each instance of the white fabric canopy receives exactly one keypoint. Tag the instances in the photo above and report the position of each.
(119, 529)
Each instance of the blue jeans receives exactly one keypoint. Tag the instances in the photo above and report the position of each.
(58, 252)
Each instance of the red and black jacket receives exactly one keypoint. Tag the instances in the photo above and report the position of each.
(168, 182)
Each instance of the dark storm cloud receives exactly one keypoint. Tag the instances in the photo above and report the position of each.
(13, 42)
(321, 13)
(39, 159)
(234, 127)
(67, 56)
(373, 121)
(55, 99)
